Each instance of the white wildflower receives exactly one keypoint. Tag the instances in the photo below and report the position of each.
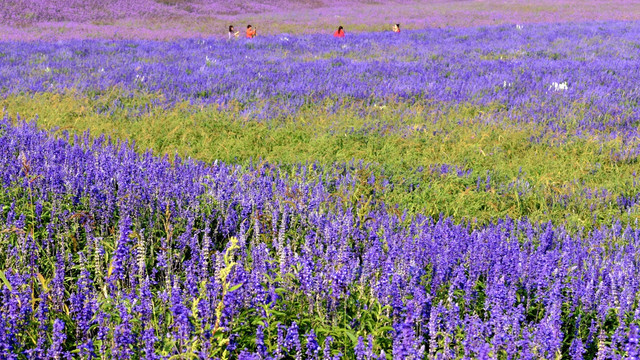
(141, 256)
(559, 86)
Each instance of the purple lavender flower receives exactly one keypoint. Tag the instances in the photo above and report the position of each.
(632, 348)
(56, 351)
(313, 348)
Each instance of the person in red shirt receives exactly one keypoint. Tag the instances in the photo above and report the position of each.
(396, 28)
(339, 33)
(251, 32)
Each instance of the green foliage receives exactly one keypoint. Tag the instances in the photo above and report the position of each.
(541, 179)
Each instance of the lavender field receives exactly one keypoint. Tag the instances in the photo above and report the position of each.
(52, 20)
(459, 190)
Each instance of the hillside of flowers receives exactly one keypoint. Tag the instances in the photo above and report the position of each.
(441, 193)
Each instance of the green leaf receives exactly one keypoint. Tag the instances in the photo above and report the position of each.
(259, 322)
(235, 287)
(384, 329)
(351, 336)
(184, 356)
(269, 278)
(5, 281)
(218, 335)
(280, 291)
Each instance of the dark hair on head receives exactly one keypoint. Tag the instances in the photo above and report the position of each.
(230, 28)
(248, 26)
(398, 25)
(340, 27)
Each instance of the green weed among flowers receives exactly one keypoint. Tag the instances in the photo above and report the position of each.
(443, 160)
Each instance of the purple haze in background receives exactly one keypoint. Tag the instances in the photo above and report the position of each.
(169, 19)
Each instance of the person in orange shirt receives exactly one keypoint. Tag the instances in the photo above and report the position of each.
(396, 28)
(251, 32)
(339, 33)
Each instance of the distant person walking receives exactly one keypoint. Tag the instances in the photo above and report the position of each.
(251, 32)
(233, 33)
(339, 33)
(396, 28)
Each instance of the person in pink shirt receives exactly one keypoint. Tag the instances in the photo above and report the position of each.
(339, 33)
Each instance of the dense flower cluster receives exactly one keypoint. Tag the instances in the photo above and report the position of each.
(109, 252)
